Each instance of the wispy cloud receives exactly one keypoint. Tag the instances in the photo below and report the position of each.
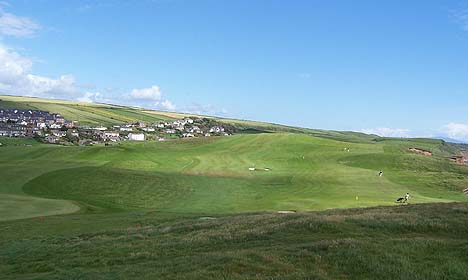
(304, 75)
(457, 131)
(90, 97)
(388, 132)
(204, 109)
(17, 26)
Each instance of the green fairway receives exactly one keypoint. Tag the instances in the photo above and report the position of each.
(211, 175)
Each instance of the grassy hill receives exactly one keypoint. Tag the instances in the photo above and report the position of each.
(106, 114)
(191, 209)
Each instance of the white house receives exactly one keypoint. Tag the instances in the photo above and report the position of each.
(111, 135)
(55, 126)
(148, 129)
(216, 129)
(136, 136)
(126, 128)
(41, 124)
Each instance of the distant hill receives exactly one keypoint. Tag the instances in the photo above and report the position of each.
(109, 114)
(451, 140)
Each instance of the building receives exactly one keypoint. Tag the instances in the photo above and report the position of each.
(111, 135)
(136, 137)
(52, 139)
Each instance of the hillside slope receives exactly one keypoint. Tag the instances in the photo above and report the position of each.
(106, 114)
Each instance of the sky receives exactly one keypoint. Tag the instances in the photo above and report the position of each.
(392, 68)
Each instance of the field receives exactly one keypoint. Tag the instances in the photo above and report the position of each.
(191, 209)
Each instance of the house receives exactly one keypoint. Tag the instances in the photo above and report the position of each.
(216, 129)
(100, 128)
(170, 131)
(193, 129)
(136, 136)
(55, 126)
(69, 124)
(41, 125)
(59, 119)
(160, 125)
(58, 133)
(51, 139)
(12, 130)
(125, 128)
(188, 135)
(74, 133)
(111, 135)
(140, 124)
(148, 129)
(49, 120)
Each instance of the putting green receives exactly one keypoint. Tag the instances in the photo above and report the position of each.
(14, 207)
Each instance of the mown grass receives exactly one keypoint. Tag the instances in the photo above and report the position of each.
(410, 242)
(211, 175)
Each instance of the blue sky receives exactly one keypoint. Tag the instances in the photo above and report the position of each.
(396, 68)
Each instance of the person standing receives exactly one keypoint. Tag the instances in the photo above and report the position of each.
(407, 198)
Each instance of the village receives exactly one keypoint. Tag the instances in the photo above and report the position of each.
(53, 128)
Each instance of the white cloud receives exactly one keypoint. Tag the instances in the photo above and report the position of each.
(152, 93)
(152, 97)
(90, 97)
(208, 109)
(167, 105)
(16, 78)
(388, 132)
(17, 26)
(458, 131)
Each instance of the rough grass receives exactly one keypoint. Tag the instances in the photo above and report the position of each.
(410, 242)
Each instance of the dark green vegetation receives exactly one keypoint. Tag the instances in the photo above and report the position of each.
(191, 209)
(426, 241)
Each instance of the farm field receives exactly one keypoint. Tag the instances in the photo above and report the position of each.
(192, 209)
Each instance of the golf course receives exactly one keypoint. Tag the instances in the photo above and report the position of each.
(210, 208)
